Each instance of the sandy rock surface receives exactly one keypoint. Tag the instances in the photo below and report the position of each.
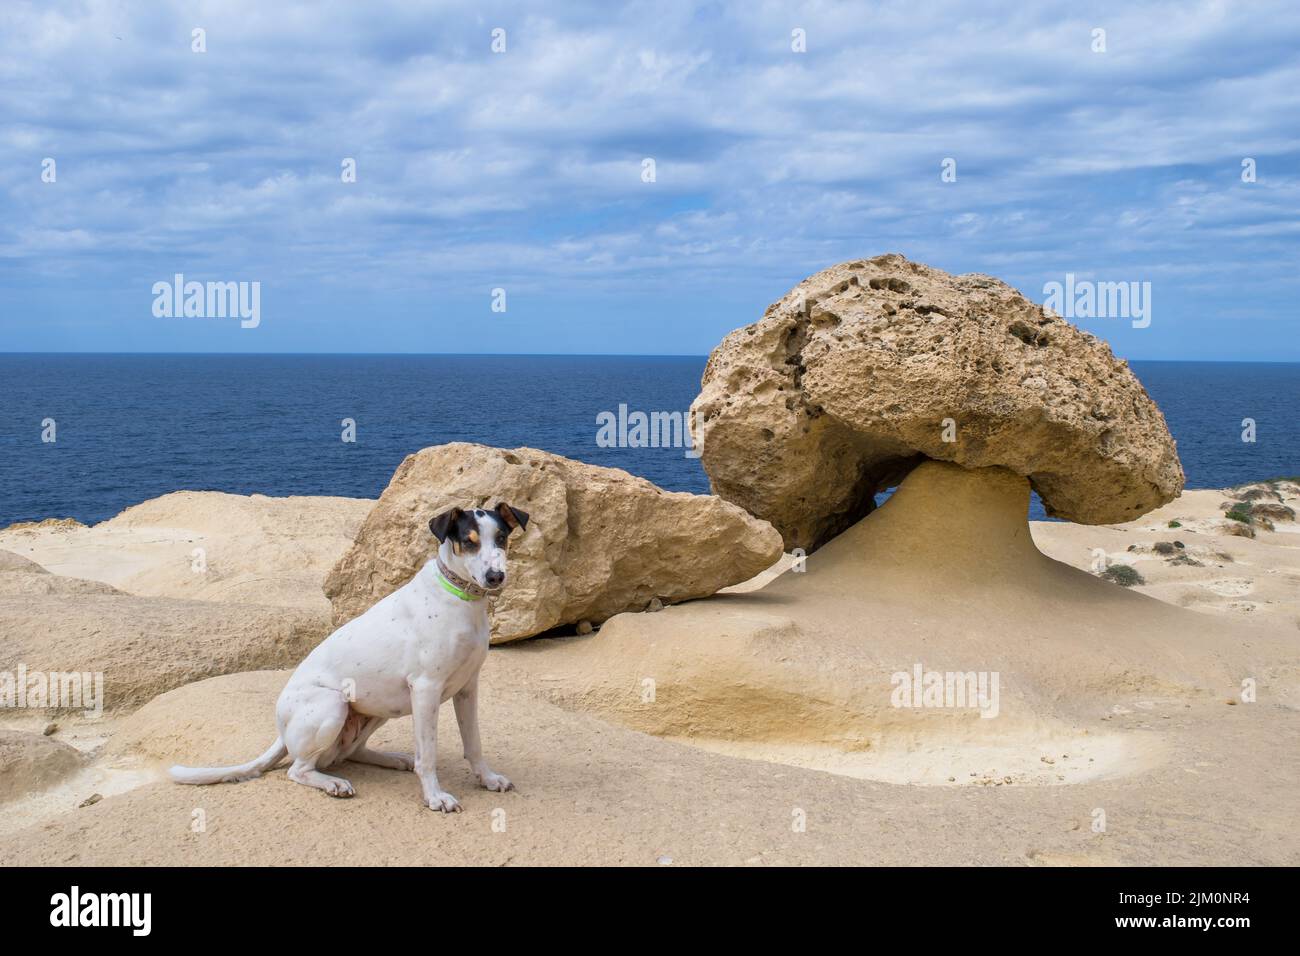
(129, 598)
(1189, 555)
(599, 541)
(769, 705)
(144, 646)
(204, 546)
(10, 563)
(830, 397)
(30, 762)
(590, 792)
(19, 576)
(945, 575)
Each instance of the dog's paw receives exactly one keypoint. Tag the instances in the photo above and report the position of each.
(443, 801)
(339, 787)
(403, 761)
(495, 781)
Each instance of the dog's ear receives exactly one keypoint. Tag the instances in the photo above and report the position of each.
(513, 517)
(445, 523)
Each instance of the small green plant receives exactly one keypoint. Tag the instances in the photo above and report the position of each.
(1240, 511)
(1175, 524)
(1123, 575)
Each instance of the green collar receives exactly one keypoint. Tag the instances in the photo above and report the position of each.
(456, 584)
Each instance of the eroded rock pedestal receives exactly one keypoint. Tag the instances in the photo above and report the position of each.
(944, 575)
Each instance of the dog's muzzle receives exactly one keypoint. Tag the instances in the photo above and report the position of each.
(463, 589)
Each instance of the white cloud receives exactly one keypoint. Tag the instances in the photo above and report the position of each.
(770, 163)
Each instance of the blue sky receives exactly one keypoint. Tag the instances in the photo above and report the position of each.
(522, 170)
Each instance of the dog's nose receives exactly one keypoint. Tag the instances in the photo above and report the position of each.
(495, 578)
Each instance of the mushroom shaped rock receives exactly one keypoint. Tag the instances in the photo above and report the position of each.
(871, 366)
(598, 542)
(943, 578)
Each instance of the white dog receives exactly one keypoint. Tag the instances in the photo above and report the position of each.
(417, 647)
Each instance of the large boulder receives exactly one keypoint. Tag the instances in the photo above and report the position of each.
(599, 541)
(869, 367)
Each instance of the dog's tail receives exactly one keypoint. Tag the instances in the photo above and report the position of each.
(245, 771)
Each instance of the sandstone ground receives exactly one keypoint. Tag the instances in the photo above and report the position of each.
(1119, 743)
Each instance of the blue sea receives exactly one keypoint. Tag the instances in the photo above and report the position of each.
(132, 427)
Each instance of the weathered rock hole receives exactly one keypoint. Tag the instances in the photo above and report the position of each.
(1027, 334)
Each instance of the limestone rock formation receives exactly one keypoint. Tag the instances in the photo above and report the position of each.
(172, 590)
(142, 646)
(30, 762)
(869, 367)
(20, 575)
(599, 541)
(946, 576)
(10, 562)
(204, 546)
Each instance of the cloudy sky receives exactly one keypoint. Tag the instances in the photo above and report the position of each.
(523, 169)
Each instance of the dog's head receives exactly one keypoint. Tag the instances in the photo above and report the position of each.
(478, 540)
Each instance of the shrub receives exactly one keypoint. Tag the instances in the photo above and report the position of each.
(1175, 524)
(1273, 512)
(1258, 494)
(1123, 575)
(1240, 511)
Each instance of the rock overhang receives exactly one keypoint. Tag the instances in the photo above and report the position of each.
(873, 365)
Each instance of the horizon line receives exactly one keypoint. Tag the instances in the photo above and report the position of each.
(683, 355)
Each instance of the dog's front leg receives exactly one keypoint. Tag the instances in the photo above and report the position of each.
(426, 697)
(466, 701)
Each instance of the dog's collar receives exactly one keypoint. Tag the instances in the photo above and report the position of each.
(465, 590)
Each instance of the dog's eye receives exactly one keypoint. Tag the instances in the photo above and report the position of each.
(501, 541)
